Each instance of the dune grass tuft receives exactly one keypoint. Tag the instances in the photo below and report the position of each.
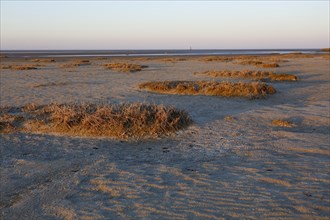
(282, 123)
(325, 50)
(258, 63)
(76, 63)
(227, 89)
(270, 65)
(125, 67)
(172, 59)
(257, 75)
(8, 122)
(20, 67)
(118, 121)
(43, 60)
(217, 59)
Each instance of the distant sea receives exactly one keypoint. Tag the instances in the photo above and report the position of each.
(135, 53)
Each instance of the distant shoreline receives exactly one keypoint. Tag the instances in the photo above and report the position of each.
(136, 53)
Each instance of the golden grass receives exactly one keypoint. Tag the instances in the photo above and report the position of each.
(227, 89)
(257, 75)
(282, 123)
(325, 50)
(298, 55)
(9, 122)
(19, 67)
(229, 118)
(172, 59)
(270, 65)
(119, 121)
(217, 59)
(43, 60)
(124, 67)
(258, 63)
(76, 63)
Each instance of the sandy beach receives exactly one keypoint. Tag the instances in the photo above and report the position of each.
(232, 162)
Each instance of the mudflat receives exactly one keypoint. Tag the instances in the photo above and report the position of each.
(241, 157)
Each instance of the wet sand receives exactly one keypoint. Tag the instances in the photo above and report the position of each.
(234, 167)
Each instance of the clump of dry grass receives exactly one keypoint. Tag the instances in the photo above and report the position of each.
(325, 50)
(257, 75)
(298, 55)
(125, 67)
(227, 89)
(43, 60)
(8, 122)
(217, 59)
(258, 63)
(29, 107)
(118, 121)
(142, 58)
(229, 118)
(270, 65)
(76, 63)
(20, 67)
(283, 123)
(172, 59)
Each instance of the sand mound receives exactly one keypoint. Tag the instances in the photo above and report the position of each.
(257, 75)
(228, 89)
(118, 121)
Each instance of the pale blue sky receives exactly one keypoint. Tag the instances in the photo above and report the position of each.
(164, 24)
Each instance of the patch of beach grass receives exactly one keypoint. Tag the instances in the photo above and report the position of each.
(125, 67)
(256, 75)
(283, 123)
(172, 59)
(76, 63)
(105, 120)
(19, 67)
(217, 59)
(43, 60)
(298, 55)
(9, 122)
(258, 63)
(325, 50)
(226, 89)
(270, 65)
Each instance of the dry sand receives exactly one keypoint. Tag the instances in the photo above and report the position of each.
(232, 163)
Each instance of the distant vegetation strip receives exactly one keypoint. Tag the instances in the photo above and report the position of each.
(19, 67)
(251, 74)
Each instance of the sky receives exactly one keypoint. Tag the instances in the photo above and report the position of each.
(45, 25)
